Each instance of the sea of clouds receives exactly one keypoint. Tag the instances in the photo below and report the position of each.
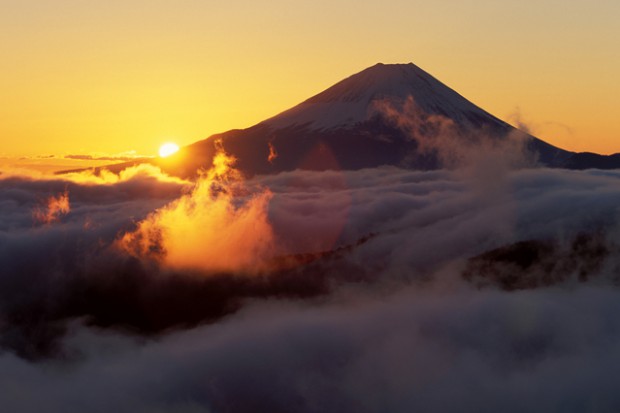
(348, 294)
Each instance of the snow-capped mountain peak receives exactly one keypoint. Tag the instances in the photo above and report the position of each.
(352, 100)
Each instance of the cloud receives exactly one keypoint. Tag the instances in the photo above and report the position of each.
(546, 128)
(450, 144)
(273, 153)
(219, 226)
(516, 118)
(56, 206)
(351, 295)
(416, 350)
(123, 157)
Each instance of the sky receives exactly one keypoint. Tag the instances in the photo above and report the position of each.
(122, 77)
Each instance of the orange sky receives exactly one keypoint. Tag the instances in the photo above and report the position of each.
(113, 76)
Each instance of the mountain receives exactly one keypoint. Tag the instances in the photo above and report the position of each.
(388, 114)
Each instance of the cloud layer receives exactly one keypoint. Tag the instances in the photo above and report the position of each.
(359, 302)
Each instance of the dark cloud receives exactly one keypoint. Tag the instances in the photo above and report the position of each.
(417, 350)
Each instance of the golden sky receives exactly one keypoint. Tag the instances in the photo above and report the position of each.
(114, 76)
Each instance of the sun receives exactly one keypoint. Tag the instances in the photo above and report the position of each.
(168, 149)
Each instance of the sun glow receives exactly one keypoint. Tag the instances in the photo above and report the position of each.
(220, 212)
(168, 149)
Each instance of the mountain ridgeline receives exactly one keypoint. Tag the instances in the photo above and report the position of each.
(388, 114)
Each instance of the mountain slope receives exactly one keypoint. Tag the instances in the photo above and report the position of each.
(394, 114)
(348, 127)
(350, 101)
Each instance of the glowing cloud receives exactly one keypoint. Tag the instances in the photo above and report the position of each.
(105, 177)
(273, 154)
(220, 225)
(56, 206)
